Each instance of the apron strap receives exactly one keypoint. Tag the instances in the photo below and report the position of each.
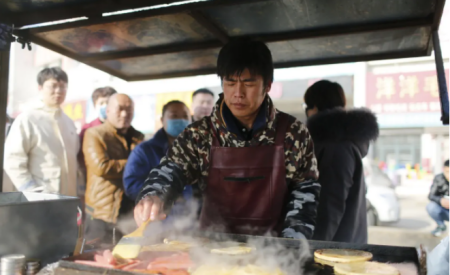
(282, 128)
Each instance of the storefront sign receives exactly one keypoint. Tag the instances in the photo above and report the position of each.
(415, 92)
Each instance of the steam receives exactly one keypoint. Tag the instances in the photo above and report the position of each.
(270, 254)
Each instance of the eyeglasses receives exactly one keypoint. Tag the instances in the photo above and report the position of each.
(61, 87)
(305, 107)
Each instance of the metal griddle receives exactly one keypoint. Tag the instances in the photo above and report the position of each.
(380, 253)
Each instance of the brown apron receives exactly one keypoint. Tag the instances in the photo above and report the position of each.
(246, 187)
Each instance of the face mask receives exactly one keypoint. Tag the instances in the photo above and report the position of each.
(101, 112)
(176, 126)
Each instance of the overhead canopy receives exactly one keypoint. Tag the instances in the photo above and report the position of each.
(182, 39)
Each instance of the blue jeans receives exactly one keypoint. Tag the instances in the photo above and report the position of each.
(438, 213)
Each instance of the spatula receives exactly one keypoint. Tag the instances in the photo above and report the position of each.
(130, 245)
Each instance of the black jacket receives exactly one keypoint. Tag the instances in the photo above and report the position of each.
(341, 139)
(439, 189)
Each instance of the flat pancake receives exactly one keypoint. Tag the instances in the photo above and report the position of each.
(365, 268)
(342, 255)
(170, 245)
(233, 250)
(324, 262)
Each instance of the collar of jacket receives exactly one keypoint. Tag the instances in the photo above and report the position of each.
(358, 125)
(225, 121)
(160, 139)
(54, 111)
(133, 133)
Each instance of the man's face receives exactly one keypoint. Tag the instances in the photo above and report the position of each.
(53, 92)
(244, 94)
(175, 111)
(202, 105)
(120, 112)
(446, 170)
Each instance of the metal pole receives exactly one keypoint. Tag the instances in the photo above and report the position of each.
(4, 75)
(443, 93)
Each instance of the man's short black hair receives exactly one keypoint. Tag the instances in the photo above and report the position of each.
(49, 73)
(446, 163)
(170, 103)
(240, 54)
(325, 95)
(102, 92)
(203, 91)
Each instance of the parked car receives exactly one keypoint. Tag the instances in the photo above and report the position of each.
(382, 202)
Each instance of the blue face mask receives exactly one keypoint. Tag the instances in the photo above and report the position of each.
(101, 112)
(176, 126)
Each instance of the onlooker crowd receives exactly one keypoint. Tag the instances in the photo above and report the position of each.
(106, 164)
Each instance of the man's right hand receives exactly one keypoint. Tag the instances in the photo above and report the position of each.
(444, 203)
(150, 207)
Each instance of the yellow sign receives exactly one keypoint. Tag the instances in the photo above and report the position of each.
(74, 110)
(163, 98)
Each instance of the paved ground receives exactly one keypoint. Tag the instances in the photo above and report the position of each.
(415, 225)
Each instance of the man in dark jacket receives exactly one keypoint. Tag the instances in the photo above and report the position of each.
(148, 154)
(341, 140)
(438, 207)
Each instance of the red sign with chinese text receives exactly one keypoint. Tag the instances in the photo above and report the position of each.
(414, 92)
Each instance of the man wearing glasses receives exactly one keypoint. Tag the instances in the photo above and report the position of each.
(42, 145)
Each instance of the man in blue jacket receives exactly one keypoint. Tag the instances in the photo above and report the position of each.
(147, 155)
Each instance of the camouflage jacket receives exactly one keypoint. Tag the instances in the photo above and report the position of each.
(187, 162)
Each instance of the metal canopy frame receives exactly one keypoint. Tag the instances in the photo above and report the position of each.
(94, 9)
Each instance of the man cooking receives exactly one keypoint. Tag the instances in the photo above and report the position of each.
(255, 165)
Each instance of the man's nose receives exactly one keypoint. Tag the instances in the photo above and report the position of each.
(239, 90)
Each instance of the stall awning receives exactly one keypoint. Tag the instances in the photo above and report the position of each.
(139, 40)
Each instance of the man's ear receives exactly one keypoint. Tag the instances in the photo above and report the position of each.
(39, 88)
(268, 87)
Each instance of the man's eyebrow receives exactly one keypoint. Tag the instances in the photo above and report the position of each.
(252, 79)
(249, 80)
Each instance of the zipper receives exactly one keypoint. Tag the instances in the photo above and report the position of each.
(243, 179)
